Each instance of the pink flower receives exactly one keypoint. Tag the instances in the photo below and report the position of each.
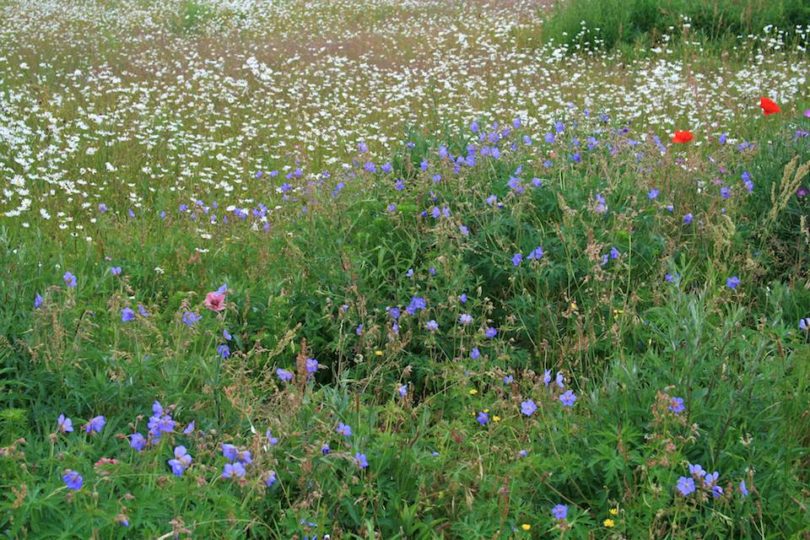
(215, 301)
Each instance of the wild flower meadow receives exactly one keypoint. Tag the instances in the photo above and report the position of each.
(399, 269)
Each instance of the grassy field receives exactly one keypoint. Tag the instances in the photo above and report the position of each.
(402, 269)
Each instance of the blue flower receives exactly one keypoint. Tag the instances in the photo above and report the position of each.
(190, 318)
(482, 418)
(115, 270)
(687, 219)
(732, 282)
(696, 470)
(417, 303)
(432, 326)
(465, 319)
(284, 375)
(142, 311)
(685, 486)
(517, 258)
(70, 280)
(614, 253)
(652, 194)
(127, 314)
(508, 379)
(64, 424)
(344, 429)
(743, 489)
(804, 324)
(475, 353)
(403, 390)
(361, 461)
(181, 462)
(725, 192)
(490, 332)
(536, 254)
(189, 428)
(528, 407)
(72, 480)
(224, 351)
(325, 449)
(270, 479)
(559, 512)
(137, 442)
(676, 405)
(95, 424)
(233, 470)
(547, 377)
(568, 398)
(312, 365)
(38, 300)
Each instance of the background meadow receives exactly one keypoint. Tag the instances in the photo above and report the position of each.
(411, 269)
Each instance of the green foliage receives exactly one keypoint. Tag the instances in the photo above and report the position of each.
(611, 23)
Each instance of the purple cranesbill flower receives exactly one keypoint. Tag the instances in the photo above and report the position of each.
(804, 324)
(676, 405)
(568, 398)
(696, 470)
(559, 127)
(284, 375)
(270, 439)
(743, 488)
(475, 353)
(614, 253)
(490, 332)
(547, 377)
(95, 424)
(559, 512)
(601, 206)
(652, 194)
(229, 451)
(528, 407)
(516, 185)
(464, 230)
(344, 429)
(362, 147)
(687, 219)
(182, 460)
(465, 319)
(685, 486)
(482, 418)
(432, 270)
(325, 449)
(72, 480)
(244, 457)
(560, 380)
(387, 168)
(70, 280)
(115, 270)
(189, 428)
(359, 329)
(722, 138)
(312, 365)
(732, 282)
(223, 351)
(369, 167)
(361, 461)
(127, 315)
(725, 192)
(432, 326)
(190, 318)
(523, 453)
(38, 301)
(270, 479)
(391, 208)
(462, 298)
(137, 442)
(102, 207)
(142, 311)
(536, 254)
(393, 312)
(403, 390)
(64, 424)
(549, 138)
(508, 379)
(417, 303)
(710, 479)
(491, 200)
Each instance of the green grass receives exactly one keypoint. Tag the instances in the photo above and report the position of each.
(630, 306)
(613, 23)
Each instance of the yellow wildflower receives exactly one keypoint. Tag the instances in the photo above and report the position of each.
(614, 511)
(609, 523)
(473, 391)
(526, 527)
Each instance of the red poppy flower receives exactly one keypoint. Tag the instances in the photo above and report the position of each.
(682, 137)
(768, 106)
